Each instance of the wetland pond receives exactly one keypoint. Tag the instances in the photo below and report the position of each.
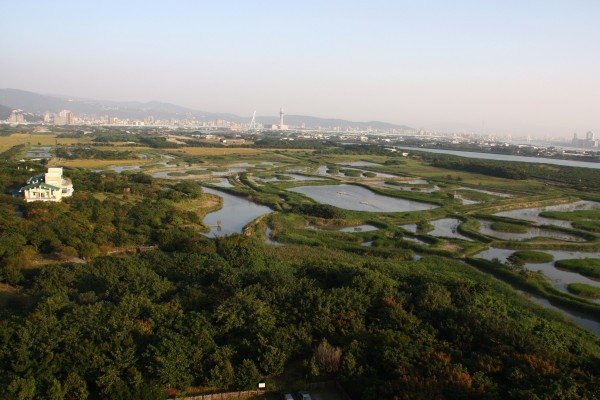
(357, 198)
(322, 170)
(445, 227)
(236, 213)
(166, 174)
(409, 186)
(559, 278)
(532, 214)
(485, 227)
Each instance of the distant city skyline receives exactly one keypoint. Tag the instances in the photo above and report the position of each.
(510, 67)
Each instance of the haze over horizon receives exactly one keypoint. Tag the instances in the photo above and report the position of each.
(521, 68)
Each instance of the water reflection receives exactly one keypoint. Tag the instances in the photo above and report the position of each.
(485, 227)
(322, 170)
(357, 198)
(578, 319)
(408, 188)
(447, 227)
(532, 214)
(559, 278)
(235, 214)
(360, 228)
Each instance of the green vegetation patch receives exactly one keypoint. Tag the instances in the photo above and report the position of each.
(352, 173)
(507, 227)
(591, 226)
(197, 172)
(534, 257)
(589, 267)
(475, 195)
(584, 290)
(176, 173)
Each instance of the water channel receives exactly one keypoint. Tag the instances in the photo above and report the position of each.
(559, 278)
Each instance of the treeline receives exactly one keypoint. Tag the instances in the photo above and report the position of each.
(278, 143)
(86, 227)
(13, 152)
(150, 140)
(86, 153)
(580, 178)
(230, 312)
(227, 314)
(485, 167)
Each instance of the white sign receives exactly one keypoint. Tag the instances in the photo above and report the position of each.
(262, 385)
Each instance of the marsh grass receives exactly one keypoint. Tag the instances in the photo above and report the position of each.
(589, 267)
(584, 290)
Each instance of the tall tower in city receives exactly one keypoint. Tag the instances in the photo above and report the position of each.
(281, 118)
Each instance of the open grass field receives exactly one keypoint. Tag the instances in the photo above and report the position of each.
(94, 164)
(422, 169)
(215, 151)
(124, 148)
(6, 142)
(219, 151)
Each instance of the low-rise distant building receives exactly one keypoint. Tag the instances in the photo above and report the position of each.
(50, 186)
(233, 141)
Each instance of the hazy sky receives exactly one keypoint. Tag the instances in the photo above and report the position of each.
(501, 66)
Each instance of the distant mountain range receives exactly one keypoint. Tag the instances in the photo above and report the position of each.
(39, 104)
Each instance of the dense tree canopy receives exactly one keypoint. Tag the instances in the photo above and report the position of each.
(227, 312)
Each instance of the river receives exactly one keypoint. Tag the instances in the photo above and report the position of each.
(506, 157)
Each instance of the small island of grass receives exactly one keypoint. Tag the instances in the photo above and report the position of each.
(507, 227)
(533, 257)
(584, 290)
(589, 267)
(196, 172)
(176, 174)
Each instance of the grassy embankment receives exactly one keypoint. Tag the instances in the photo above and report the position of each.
(589, 267)
(587, 220)
(508, 227)
(536, 283)
(533, 257)
(584, 290)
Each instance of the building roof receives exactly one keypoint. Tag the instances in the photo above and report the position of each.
(40, 185)
(36, 178)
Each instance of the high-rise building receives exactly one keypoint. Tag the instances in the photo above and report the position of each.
(66, 117)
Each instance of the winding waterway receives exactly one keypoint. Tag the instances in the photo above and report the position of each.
(506, 157)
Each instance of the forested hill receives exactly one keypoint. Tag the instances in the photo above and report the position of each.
(228, 312)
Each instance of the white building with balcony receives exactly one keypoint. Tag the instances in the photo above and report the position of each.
(50, 186)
